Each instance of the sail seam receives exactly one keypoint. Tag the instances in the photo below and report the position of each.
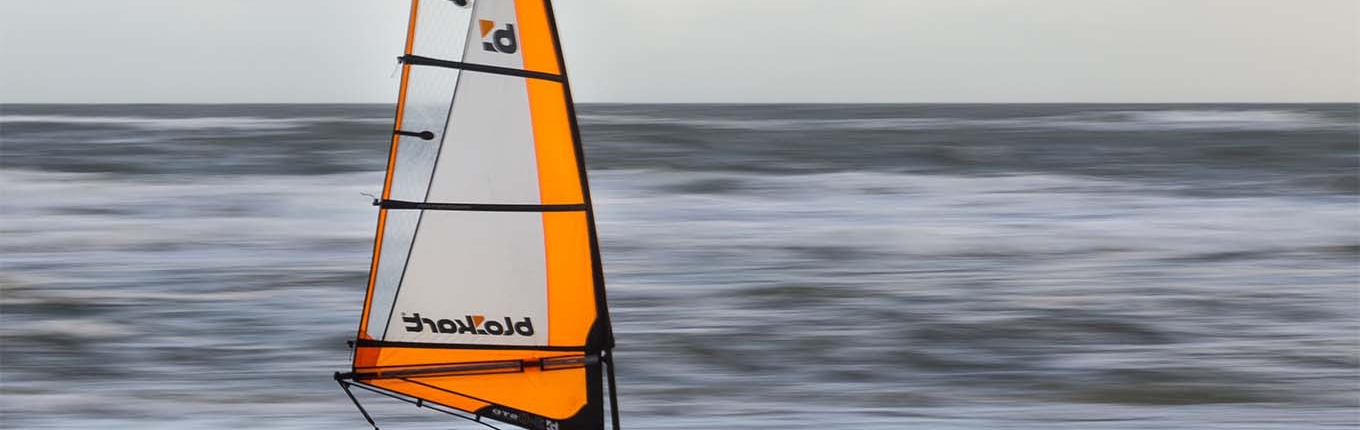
(416, 60)
(480, 207)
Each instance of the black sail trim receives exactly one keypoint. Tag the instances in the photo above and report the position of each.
(423, 135)
(396, 344)
(478, 207)
(416, 60)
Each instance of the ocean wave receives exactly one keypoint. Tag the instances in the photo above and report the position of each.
(1120, 120)
(967, 217)
(1010, 280)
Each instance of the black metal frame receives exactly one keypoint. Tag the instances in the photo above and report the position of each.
(420, 403)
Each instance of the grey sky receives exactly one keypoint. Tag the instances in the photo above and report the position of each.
(707, 50)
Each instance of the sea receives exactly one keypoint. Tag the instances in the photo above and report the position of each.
(868, 267)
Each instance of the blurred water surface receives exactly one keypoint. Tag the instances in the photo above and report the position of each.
(818, 266)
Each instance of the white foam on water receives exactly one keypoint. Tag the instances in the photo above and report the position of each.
(110, 228)
(1282, 120)
(87, 329)
(931, 215)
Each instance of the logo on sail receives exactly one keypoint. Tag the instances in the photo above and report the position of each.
(519, 418)
(502, 40)
(470, 324)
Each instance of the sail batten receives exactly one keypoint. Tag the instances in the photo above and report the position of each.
(486, 292)
(463, 369)
(482, 207)
(417, 60)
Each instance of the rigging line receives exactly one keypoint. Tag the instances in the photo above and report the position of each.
(345, 386)
(416, 60)
(491, 403)
(421, 403)
(480, 207)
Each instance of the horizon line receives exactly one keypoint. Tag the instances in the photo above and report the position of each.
(716, 103)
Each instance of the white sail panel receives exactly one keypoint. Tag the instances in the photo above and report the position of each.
(483, 266)
(400, 227)
(489, 155)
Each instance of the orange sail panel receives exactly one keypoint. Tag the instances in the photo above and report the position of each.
(486, 293)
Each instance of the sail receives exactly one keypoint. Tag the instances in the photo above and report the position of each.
(486, 293)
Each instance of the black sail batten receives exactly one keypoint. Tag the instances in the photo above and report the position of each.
(423, 135)
(416, 60)
(478, 207)
(392, 344)
(482, 367)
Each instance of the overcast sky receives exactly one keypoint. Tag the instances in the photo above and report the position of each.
(73, 51)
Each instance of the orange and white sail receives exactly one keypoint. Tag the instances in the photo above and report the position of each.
(486, 293)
